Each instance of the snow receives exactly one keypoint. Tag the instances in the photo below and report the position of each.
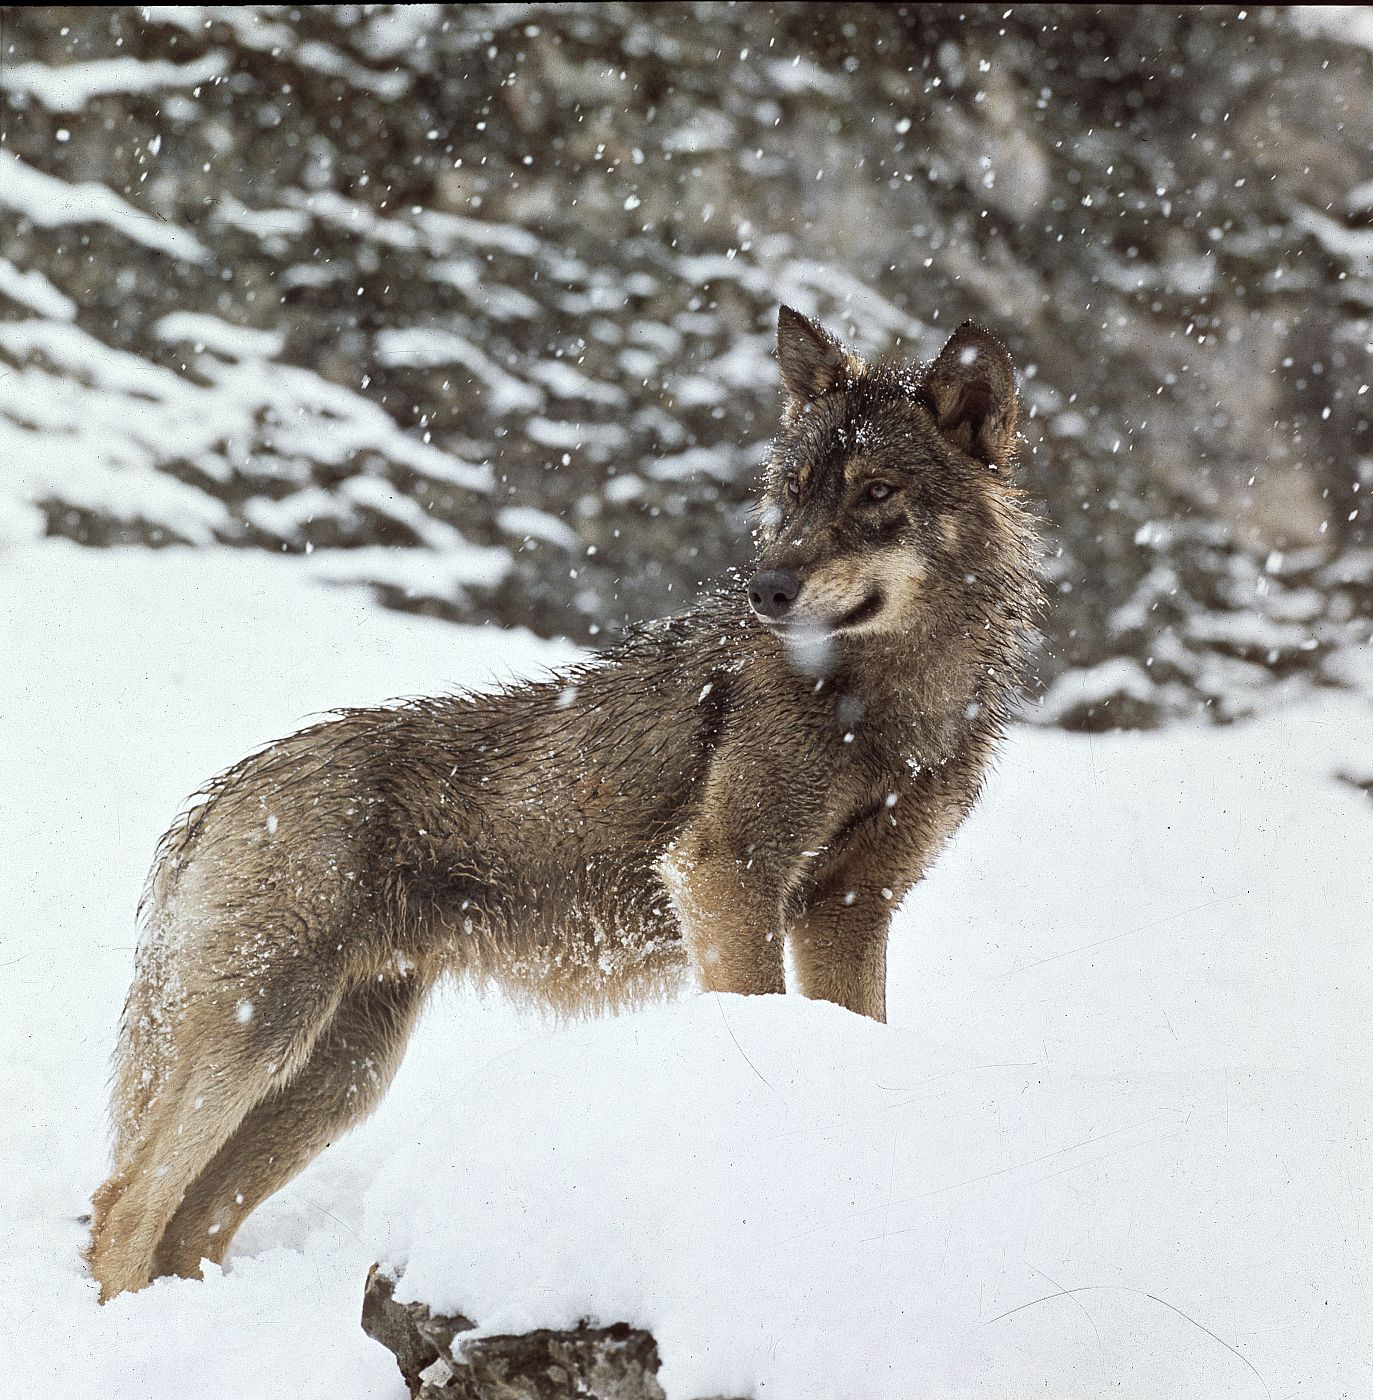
(32, 290)
(1246, 629)
(800, 75)
(220, 336)
(254, 30)
(376, 494)
(472, 278)
(1115, 1139)
(1348, 24)
(66, 430)
(1094, 685)
(417, 573)
(1353, 245)
(561, 380)
(537, 524)
(52, 203)
(480, 233)
(356, 218)
(427, 347)
(265, 224)
(697, 461)
(68, 88)
(389, 33)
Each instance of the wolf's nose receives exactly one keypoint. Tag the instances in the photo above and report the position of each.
(773, 591)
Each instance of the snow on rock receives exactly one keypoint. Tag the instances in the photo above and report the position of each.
(607, 1363)
(1121, 682)
(413, 573)
(222, 337)
(525, 521)
(422, 347)
(32, 290)
(794, 1201)
(1346, 24)
(72, 443)
(53, 203)
(69, 86)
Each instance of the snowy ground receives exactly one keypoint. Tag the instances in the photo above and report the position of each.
(1115, 1140)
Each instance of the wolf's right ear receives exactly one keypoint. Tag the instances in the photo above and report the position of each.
(813, 362)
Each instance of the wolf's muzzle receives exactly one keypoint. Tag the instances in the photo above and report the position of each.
(772, 592)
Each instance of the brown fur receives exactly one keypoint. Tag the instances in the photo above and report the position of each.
(714, 785)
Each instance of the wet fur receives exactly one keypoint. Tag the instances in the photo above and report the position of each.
(686, 802)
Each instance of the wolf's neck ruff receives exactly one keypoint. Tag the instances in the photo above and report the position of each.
(776, 766)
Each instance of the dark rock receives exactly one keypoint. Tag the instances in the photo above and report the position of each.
(409, 1330)
(603, 1363)
(618, 1362)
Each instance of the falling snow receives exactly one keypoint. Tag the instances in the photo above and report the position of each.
(322, 331)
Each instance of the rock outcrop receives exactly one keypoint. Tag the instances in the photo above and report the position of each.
(587, 1362)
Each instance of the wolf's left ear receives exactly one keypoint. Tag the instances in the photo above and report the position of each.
(813, 362)
(970, 390)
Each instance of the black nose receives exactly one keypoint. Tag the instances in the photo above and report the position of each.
(773, 591)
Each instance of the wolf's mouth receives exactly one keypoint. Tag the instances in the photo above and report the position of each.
(790, 625)
(864, 612)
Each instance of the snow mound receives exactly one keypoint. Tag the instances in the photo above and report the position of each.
(796, 1201)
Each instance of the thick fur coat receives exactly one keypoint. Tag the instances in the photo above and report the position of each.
(777, 765)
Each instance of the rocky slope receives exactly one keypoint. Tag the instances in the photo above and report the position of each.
(496, 286)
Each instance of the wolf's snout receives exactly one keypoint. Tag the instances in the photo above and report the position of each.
(773, 591)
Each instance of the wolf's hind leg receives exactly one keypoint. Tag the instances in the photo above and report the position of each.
(212, 1066)
(350, 1068)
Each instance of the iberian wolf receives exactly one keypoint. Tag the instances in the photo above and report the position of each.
(778, 764)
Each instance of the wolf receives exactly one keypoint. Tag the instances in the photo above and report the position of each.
(775, 766)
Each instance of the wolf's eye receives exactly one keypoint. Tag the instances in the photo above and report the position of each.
(877, 490)
(792, 486)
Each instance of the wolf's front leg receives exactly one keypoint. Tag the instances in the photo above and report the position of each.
(730, 913)
(839, 946)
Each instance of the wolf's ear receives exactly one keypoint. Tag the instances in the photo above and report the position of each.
(813, 362)
(970, 390)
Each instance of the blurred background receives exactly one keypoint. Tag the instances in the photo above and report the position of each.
(475, 305)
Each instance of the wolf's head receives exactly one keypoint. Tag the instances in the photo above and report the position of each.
(888, 498)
